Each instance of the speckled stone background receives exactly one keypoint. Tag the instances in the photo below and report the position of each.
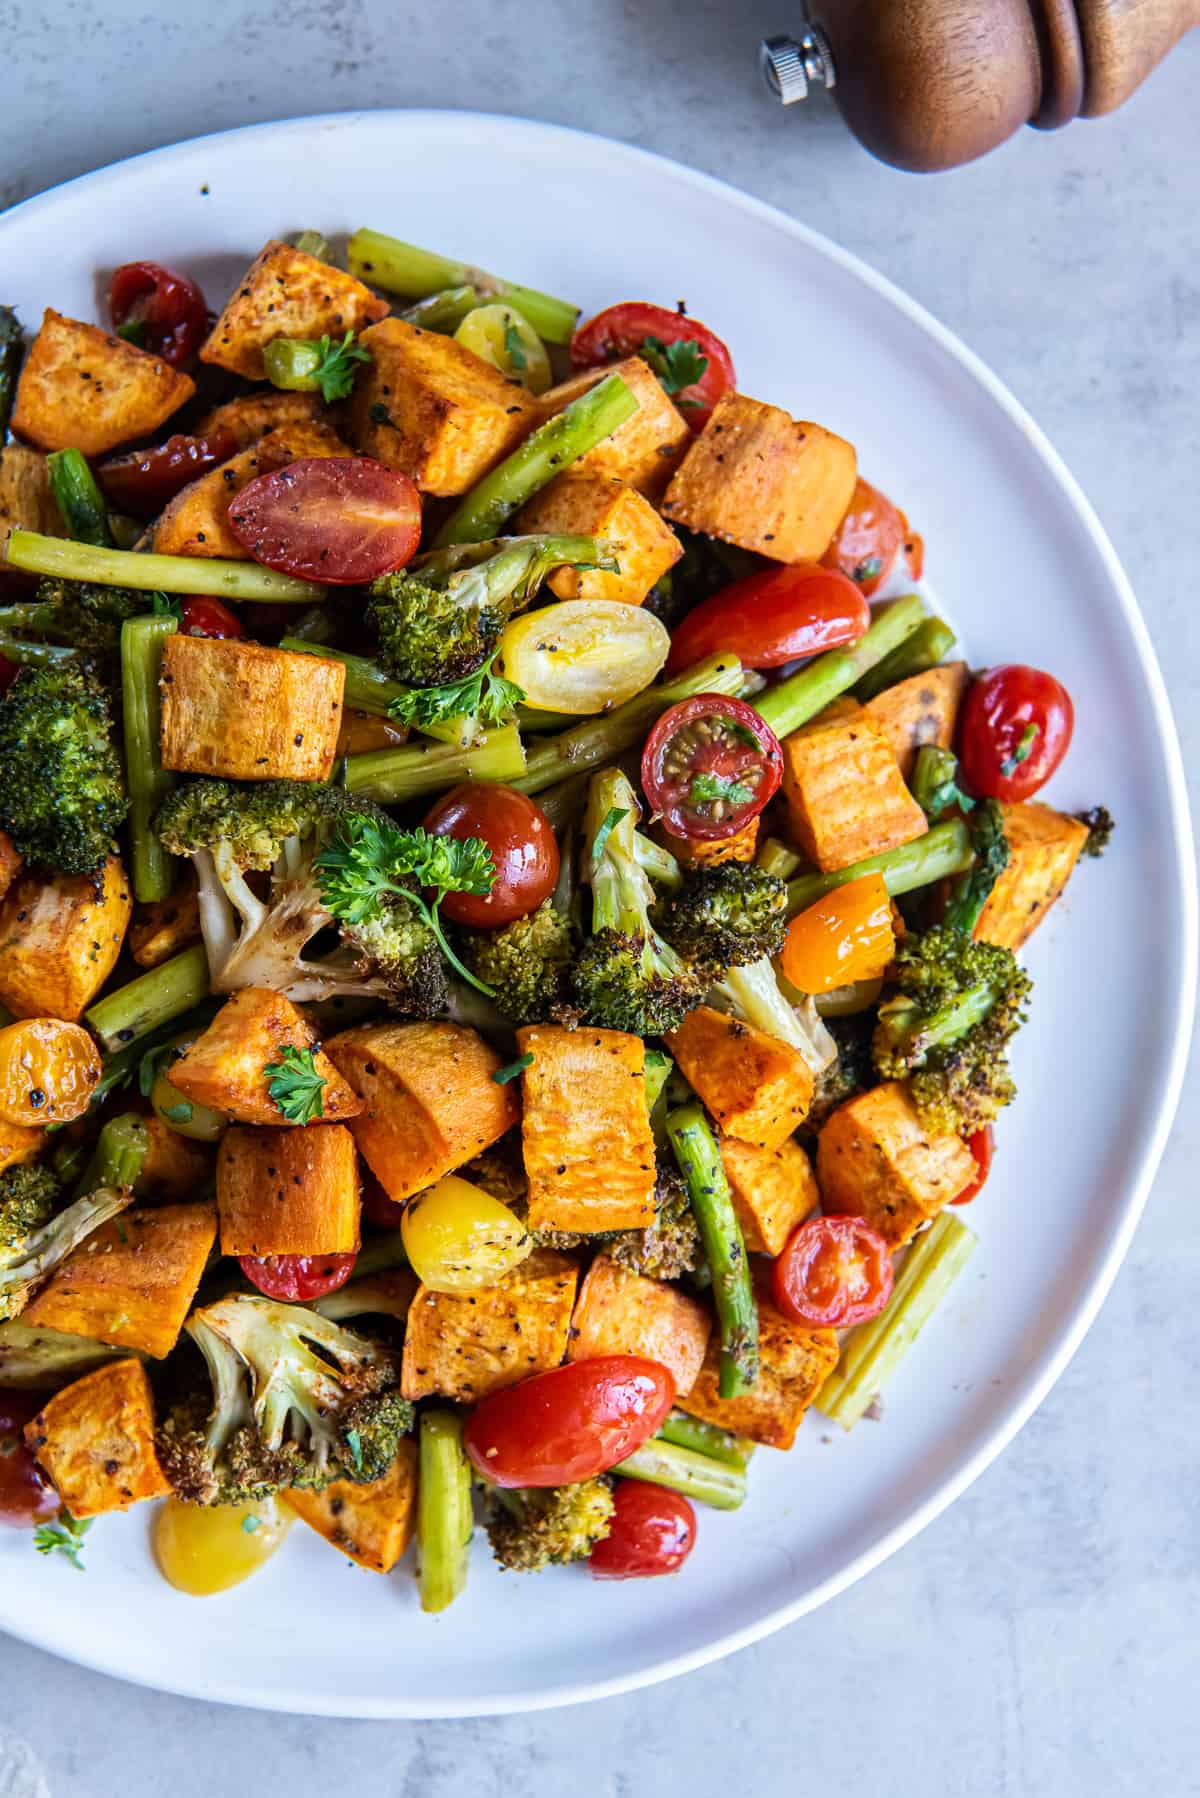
(1041, 1639)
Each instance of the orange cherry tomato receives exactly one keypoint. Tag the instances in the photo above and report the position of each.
(846, 936)
(869, 539)
(48, 1071)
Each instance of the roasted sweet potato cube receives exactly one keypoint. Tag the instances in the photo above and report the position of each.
(196, 522)
(430, 1103)
(19, 1145)
(920, 710)
(162, 927)
(1044, 846)
(286, 293)
(773, 1191)
(82, 389)
(372, 1523)
(433, 409)
(646, 449)
(758, 1088)
(132, 1281)
(742, 846)
(26, 502)
(622, 1313)
(175, 1169)
(288, 1192)
(845, 794)
(589, 504)
(225, 1068)
(766, 481)
(248, 712)
(464, 1345)
(251, 415)
(876, 1160)
(589, 1149)
(95, 1441)
(794, 1363)
(60, 938)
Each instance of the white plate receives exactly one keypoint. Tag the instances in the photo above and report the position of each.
(1026, 568)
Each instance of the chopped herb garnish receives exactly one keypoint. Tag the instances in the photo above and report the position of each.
(178, 1114)
(1023, 751)
(711, 789)
(677, 365)
(63, 1537)
(502, 1076)
(613, 817)
(295, 1085)
(514, 349)
(487, 697)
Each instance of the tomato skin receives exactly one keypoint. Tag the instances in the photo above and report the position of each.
(845, 937)
(774, 617)
(341, 520)
(728, 755)
(297, 1277)
(1002, 707)
(869, 539)
(169, 306)
(25, 1497)
(202, 616)
(833, 1272)
(570, 1423)
(140, 482)
(523, 845)
(653, 1532)
(982, 1144)
(8, 673)
(621, 331)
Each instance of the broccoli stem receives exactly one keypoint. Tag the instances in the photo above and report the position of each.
(119, 1155)
(706, 1439)
(35, 554)
(368, 688)
(776, 858)
(681, 1469)
(795, 700)
(79, 500)
(443, 311)
(414, 274)
(444, 1519)
(601, 740)
(942, 851)
(151, 1000)
(658, 1072)
(579, 427)
(11, 350)
(148, 782)
(699, 1161)
(658, 863)
(393, 776)
(872, 1352)
(929, 644)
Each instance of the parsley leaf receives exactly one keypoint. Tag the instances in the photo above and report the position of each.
(63, 1537)
(166, 605)
(487, 697)
(514, 349)
(353, 1441)
(133, 331)
(295, 1085)
(1023, 751)
(502, 1076)
(678, 365)
(710, 789)
(335, 372)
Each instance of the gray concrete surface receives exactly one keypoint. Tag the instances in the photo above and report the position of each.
(1041, 1638)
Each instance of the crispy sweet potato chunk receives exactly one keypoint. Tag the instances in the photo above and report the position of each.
(773, 1190)
(288, 1192)
(794, 1364)
(286, 293)
(162, 927)
(82, 389)
(622, 1313)
(373, 1523)
(60, 938)
(920, 710)
(589, 1150)
(876, 1160)
(248, 712)
(175, 1169)
(1044, 846)
(251, 415)
(225, 1068)
(464, 1345)
(95, 1441)
(758, 1088)
(195, 521)
(26, 502)
(598, 505)
(646, 449)
(845, 794)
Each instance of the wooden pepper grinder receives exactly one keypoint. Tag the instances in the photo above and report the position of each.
(929, 84)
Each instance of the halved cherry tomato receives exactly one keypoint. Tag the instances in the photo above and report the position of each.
(49, 1070)
(710, 765)
(523, 845)
(25, 1497)
(833, 1272)
(297, 1277)
(570, 1423)
(1016, 727)
(202, 616)
(141, 481)
(8, 673)
(636, 328)
(982, 1144)
(169, 308)
(653, 1531)
(772, 618)
(870, 538)
(338, 519)
(844, 937)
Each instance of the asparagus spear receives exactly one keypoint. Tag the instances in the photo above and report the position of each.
(35, 554)
(368, 688)
(715, 1483)
(32, 655)
(148, 783)
(11, 350)
(80, 502)
(444, 1519)
(393, 776)
(706, 1439)
(154, 998)
(402, 268)
(444, 311)
(117, 1159)
(699, 1160)
(929, 644)
(481, 514)
(942, 851)
(795, 700)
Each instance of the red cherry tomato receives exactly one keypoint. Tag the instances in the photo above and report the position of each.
(169, 309)
(141, 481)
(982, 1145)
(202, 616)
(1016, 728)
(338, 519)
(833, 1272)
(772, 618)
(709, 766)
(8, 673)
(635, 328)
(297, 1277)
(570, 1423)
(653, 1531)
(869, 539)
(25, 1496)
(523, 845)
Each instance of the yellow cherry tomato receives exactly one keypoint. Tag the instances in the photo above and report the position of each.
(844, 938)
(459, 1238)
(48, 1072)
(177, 1111)
(202, 1549)
(583, 655)
(509, 342)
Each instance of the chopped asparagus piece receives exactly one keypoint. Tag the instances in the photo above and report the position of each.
(662, 1463)
(444, 1519)
(141, 654)
(414, 274)
(36, 554)
(700, 1163)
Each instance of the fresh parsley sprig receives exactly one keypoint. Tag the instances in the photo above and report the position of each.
(677, 365)
(295, 1085)
(484, 696)
(63, 1537)
(709, 789)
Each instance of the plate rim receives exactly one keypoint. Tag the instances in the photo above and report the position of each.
(1088, 1306)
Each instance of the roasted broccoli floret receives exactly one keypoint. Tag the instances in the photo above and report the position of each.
(669, 1247)
(62, 793)
(80, 614)
(852, 1072)
(28, 1257)
(526, 964)
(36, 1360)
(952, 1009)
(1100, 826)
(28, 1200)
(727, 916)
(753, 993)
(546, 1526)
(296, 1400)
